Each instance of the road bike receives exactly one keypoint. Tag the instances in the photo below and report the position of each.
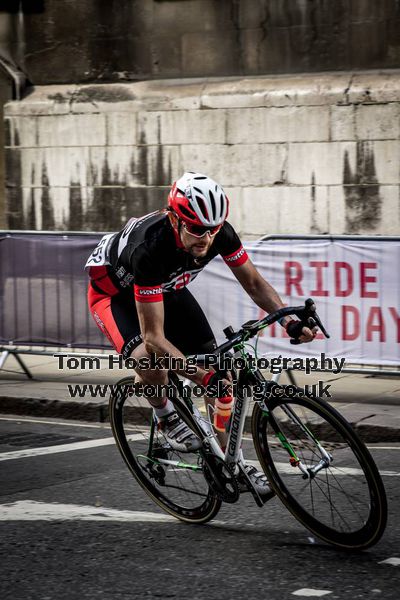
(314, 461)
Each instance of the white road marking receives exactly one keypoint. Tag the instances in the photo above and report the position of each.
(287, 469)
(249, 439)
(284, 468)
(389, 473)
(30, 510)
(310, 592)
(390, 561)
(27, 510)
(105, 426)
(44, 422)
(383, 447)
(27, 453)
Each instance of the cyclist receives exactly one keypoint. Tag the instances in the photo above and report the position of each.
(138, 294)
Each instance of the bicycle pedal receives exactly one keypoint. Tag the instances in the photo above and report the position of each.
(245, 485)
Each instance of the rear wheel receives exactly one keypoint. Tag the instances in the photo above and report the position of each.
(339, 494)
(174, 480)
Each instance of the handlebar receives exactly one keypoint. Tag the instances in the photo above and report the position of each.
(307, 314)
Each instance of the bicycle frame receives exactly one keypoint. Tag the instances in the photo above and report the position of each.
(233, 454)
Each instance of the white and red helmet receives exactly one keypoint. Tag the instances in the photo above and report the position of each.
(198, 200)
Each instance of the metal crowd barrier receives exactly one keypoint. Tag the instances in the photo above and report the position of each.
(43, 293)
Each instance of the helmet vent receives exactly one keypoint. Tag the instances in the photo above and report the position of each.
(202, 206)
(212, 200)
(221, 214)
(185, 211)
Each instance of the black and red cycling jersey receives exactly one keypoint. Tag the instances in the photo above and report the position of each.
(148, 256)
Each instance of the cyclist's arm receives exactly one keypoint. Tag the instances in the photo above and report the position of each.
(263, 294)
(151, 319)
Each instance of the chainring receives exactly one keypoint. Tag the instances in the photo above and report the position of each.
(220, 478)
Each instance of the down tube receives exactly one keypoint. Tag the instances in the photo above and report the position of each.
(238, 419)
(233, 449)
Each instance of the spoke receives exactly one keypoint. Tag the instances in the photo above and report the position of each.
(312, 497)
(348, 495)
(345, 471)
(333, 506)
(176, 487)
(189, 475)
(330, 497)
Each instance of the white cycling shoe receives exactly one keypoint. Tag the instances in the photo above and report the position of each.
(257, 479)
(178, 435)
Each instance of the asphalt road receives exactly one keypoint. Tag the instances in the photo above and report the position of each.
(247, 552)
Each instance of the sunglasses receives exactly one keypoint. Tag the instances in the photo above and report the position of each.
(200, 231)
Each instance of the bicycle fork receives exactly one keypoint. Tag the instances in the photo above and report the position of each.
(308, 472)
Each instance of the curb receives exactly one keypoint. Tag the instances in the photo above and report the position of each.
(42, 407)
(98, 412)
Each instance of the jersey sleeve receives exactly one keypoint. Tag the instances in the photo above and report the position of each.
(230, 247)
(147, 276)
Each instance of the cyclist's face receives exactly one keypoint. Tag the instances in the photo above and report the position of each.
(197, 247)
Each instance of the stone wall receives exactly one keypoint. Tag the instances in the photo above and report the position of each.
(5, 96)
(65, 41)
(296, 154)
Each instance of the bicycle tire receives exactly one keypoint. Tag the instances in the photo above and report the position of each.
(360, 530)
(131, 419)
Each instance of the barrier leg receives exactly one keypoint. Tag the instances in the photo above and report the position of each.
(6, 353)
(23, 365)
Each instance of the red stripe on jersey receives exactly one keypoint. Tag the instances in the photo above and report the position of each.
(236, 258)
(152, 293)
(102, 280)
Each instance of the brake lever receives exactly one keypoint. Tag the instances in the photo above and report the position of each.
(310, 318)
(321, 327)
(315, 317)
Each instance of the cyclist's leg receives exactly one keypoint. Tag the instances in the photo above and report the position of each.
(187, 327)
(117, 317)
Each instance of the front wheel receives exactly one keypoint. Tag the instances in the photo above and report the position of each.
(174, 480)
(321, 470)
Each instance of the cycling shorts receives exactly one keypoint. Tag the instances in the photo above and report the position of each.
(185, 324)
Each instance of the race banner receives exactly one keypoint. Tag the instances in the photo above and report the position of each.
(354, 283)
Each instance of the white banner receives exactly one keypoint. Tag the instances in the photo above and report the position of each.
(355, 285)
